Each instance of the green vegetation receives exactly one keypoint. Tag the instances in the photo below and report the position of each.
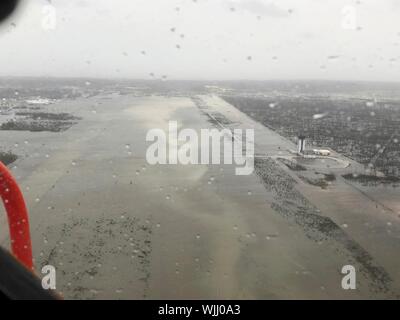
(7, 157)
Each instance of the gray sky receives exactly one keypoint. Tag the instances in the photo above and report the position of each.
(217, 39)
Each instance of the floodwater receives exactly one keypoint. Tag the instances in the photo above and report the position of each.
(116, 227)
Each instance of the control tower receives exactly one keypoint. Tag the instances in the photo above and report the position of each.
(301, 144)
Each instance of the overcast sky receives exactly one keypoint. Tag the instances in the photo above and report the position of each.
(204, 39)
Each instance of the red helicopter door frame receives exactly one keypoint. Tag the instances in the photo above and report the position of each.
(18, 220)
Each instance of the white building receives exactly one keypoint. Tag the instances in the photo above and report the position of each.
(322, 152)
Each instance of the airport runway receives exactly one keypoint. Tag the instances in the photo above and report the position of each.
(116, 227)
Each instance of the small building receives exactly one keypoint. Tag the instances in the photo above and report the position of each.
(322, 152)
